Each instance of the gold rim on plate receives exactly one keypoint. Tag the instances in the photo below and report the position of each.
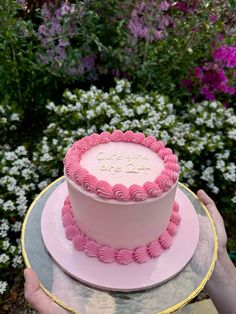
(166, 311)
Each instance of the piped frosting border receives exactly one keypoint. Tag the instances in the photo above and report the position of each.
(120, 192)
(107, 254)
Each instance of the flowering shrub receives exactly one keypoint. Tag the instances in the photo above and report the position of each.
(59, 26)
(203, 136)
(216, 78)
(154, 43)
(9, 121)
(18, 181)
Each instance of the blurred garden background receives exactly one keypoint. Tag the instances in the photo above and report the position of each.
(71, 68)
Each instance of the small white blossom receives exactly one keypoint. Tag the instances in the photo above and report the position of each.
(8, 206)
(3, 286)
(5, 244)
(14, 117)
(4, 258)
(17, 261)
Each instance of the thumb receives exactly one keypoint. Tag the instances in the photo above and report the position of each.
(35, 295)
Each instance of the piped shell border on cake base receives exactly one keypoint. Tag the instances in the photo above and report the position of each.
(123, 256)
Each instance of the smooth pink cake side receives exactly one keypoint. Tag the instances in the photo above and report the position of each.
(120, 224)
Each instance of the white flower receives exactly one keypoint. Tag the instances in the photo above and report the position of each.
(4, 227)
(14, 117)
(119, 88)
(8, 206)
(5, 244)
(213, 105)
(234, 199)
(207, 174)
(4, 258)
(12, 249)
(51, 106)
(70, 96)
(188, 164)
(10, 156)
(21, 151)
(3, 286)
(43, 184)
(16, 227)
(232, 134)
(17, 261)
(90, 114)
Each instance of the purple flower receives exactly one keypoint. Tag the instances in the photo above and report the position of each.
(88, 62)
(149, 20)
(21, 2)
(226, 55)
(42, 29)
(213, 18)
(164, 6)
(207, 93)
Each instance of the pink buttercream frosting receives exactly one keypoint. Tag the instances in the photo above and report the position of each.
(152, 189)
(102, 188)
(121, 193)
(106, 254)
(155, 249)
(89, 183)
(137, 193)
(123, 256)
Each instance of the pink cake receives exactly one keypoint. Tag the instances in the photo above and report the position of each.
(121, 205)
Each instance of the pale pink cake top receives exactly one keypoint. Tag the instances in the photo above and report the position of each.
(122, 163)
(122, 166)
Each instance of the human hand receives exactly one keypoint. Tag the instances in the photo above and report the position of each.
(36, 297)
(218, 220)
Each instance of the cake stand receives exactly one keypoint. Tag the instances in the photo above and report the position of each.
(78, 297)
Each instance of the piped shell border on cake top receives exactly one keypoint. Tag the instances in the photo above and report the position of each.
(120, 192)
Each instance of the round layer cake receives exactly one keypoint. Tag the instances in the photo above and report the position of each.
(121, 196)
